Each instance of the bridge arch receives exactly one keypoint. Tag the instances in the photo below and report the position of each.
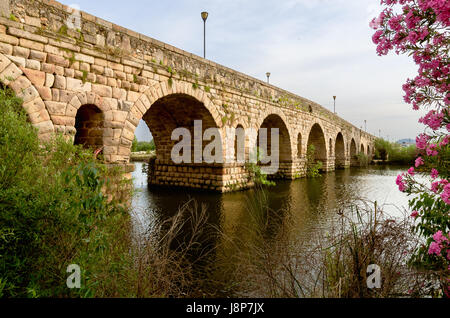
(317, 139)
(158, 92)
(13, 77)
(275, 120)
(339, 151)
(89, 126)
(90, 122)
(363, 150)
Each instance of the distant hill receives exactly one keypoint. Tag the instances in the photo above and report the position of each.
(406, 141)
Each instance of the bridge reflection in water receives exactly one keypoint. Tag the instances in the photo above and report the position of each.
(303, 208)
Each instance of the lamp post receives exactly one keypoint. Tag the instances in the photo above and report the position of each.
(365, 125)
(268, 75)
(204, 17)
(334, 98)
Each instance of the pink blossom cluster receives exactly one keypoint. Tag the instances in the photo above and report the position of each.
(404, 32)
(401, 183)
(441, 243)
(422, 141)
(433, 119)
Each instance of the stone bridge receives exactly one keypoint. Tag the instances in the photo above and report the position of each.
(93, 81)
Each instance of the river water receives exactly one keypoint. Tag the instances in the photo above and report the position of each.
(312, 200)
(312, 204)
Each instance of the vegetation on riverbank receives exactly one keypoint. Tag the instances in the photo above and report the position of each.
(54, 210)
(394, 152)
(140, 146)
(313, 166)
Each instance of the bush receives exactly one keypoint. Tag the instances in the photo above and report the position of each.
(145, 146)
(312, 166)
(363, 159)
(394, 152)
(52, 209)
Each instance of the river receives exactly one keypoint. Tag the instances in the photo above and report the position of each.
(312, 204)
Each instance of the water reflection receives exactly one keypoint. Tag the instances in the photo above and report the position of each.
(310, 201)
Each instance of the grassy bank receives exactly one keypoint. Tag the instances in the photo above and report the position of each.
(394, 152)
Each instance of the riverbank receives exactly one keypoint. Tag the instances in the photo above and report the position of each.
(143, 156)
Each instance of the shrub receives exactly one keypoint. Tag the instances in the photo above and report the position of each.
(363, 159)
(394, 152)
(312, 166)
(145, 146)
(53, 211)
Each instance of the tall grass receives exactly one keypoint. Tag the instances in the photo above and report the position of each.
(271, 262)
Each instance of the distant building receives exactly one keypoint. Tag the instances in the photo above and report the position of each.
(406, 142)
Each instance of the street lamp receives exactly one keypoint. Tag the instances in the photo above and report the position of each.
(268, 75)
(334, 97)
(204, 17)
(365, 125)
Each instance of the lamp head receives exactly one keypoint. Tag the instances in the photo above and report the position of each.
(204, 16)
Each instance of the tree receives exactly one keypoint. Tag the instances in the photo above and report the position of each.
(420, 28)
(134, 145)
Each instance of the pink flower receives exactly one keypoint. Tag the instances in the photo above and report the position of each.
(375, 23)
(445, 195)
(414, 214)
(413, 37)
(432, 119)
(376, 38)
(432, 150)
(445, 141)
(400, 183)
(419, 162)
(435, 187)
(434, 249)
(434, 173)
(422, 141)
(411, 171)
(439, 238)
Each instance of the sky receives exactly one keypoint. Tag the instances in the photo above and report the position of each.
(313, 48)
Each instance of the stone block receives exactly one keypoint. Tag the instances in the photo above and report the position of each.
(57, 60)
(102, 90)
(60, 82)
(38, 56)
(56, 108)
(45, 92)
(36, 77)
(32, 45)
